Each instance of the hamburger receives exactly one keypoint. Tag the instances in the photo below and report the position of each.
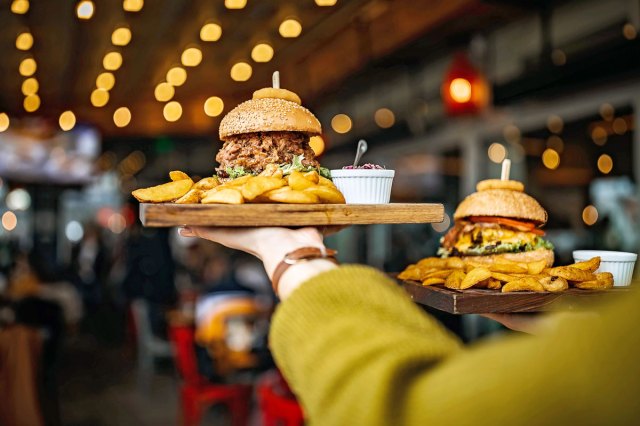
(271, 128)
(499, 222)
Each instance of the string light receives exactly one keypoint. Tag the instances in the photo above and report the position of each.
(31, 103)
(241, 71)
(235, 4)
(122, 117)
(213, 106)
(460, 90)
(317, 145)
(99, 98)
(67, 120)
(132, 5)
(172, 111)
(30, 86)
(20, 7)
(85, 9)
(605, 164)
(384, 118)
(176, 76)
(112, 61)
(191, 57)
(550, 159)
(105, 81)
(290, 28)
(590, 215)
(497, 152)
(24, 41)
(326, 2)
(341, 123)
(262, 52)
(27, 67)
(4, 122)
(210, 32)
(164, 92)
(121, 36)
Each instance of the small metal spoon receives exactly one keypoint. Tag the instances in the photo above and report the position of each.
(362, 148)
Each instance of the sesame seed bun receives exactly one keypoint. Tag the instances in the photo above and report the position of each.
(502, 203)
(269, 115)
(523, 257)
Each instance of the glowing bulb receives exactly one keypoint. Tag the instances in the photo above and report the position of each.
(550, 159)
(9, 221)
(27, 67)
(122, 117)
(460, 90)
(326, 2)
(112, 61)
(132, 5)
(191, 57)
(18, 199)
(605, 164)
(590, 215)
(241, 71)
(599, 135)
(20, 7)
(164, 92)
(24, 41)
(99, 98)
(497, 152)
(172, 111)
(210, 32)
(317, 145)
(121, 36)
(384, 118)
(4, 122)
(290, 28)
(67, 120)
(213, 106)
(176, 76)
(341, 123)
(30, 86)
(105, 81)
(262, 52)
(31, 103)
(85, 9)
(235, 4)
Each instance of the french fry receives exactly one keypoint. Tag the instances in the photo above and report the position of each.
(590, 265)
(433, 262)
(455, 263)
(605, 279)
(535, 268)
(312, 177)
(223, 196)
(239, 181)
(554, 284)
(411, 272)
(289, 196)
(454, 280)
(570, 273)
(474, 277)
(507, 268)
(433, 281)
(259, 185)
(324, 181)
(206, 183)
(444, 273)
(269, 170)
(493, 284)
(191, 197)
(176, 175)
(502, 277)
(163, 193)
(298, 182)
(326, 194)
(522, 284)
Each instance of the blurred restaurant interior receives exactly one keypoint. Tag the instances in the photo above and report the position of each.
(99, 98)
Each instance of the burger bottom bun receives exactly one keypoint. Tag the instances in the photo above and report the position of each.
(523, 257)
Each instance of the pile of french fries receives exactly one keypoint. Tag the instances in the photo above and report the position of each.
(461, 274)
(268, 187)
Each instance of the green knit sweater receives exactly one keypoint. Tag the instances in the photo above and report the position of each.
(357, 351)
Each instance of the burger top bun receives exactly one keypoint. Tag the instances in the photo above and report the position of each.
(269, 114)
(502, 203)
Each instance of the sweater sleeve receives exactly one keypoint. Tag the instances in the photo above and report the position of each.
(357, 351)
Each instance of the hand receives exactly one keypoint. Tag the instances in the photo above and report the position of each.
(526, 323)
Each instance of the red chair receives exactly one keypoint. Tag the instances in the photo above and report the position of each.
(196, 392)
(275, 407)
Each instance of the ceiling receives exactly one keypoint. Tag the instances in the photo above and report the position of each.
(336, 43)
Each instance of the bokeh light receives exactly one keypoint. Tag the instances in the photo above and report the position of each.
(317, 145)
(99, 98)
(121, 36)
(122, 117)
(9, 221)
(384, 118)
(341, 123)
(133, 5)
(558, 57)
(290, 28)
(442, 226)
(164, 92)
(191, 57)
(85, 9)
(18, 199)
(241, 71)
(74, 231)
(556, 143)
(460, 90)
(67, 120)
(31, 103)
(599, 135)
(511, 133)
(590, 215)
(117, 223)
(555, 124)
(105, 81)
(30, 86)
(326, 2)
(4, 121)
(605, 164)
(176, 76)
(619, 126)
(629, 31)
(262, 52)
(112, 61)
(550, 159)
(210, 32)
(20, 7)
(607, 111)
(27, 67)
(213, 106)
(497, 152)
(172, 111)
(235, 4)
(24, 41)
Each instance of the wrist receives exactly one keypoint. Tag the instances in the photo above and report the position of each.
(297, 274)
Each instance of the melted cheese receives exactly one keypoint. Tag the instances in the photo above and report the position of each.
(492, 236)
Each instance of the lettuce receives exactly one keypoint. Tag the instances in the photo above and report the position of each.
(296, 165)
(501, 248)
(236, 172)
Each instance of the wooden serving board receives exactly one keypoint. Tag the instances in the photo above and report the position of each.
(169, 214)
(484, 301)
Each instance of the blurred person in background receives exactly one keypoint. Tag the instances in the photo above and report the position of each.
(90, 262)
(356, 350)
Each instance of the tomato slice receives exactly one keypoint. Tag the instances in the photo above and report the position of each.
(512, 223)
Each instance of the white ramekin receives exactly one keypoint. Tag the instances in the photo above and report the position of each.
(619, 263)
(364, 186)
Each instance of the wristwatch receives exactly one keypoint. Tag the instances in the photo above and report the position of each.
(300, 255)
